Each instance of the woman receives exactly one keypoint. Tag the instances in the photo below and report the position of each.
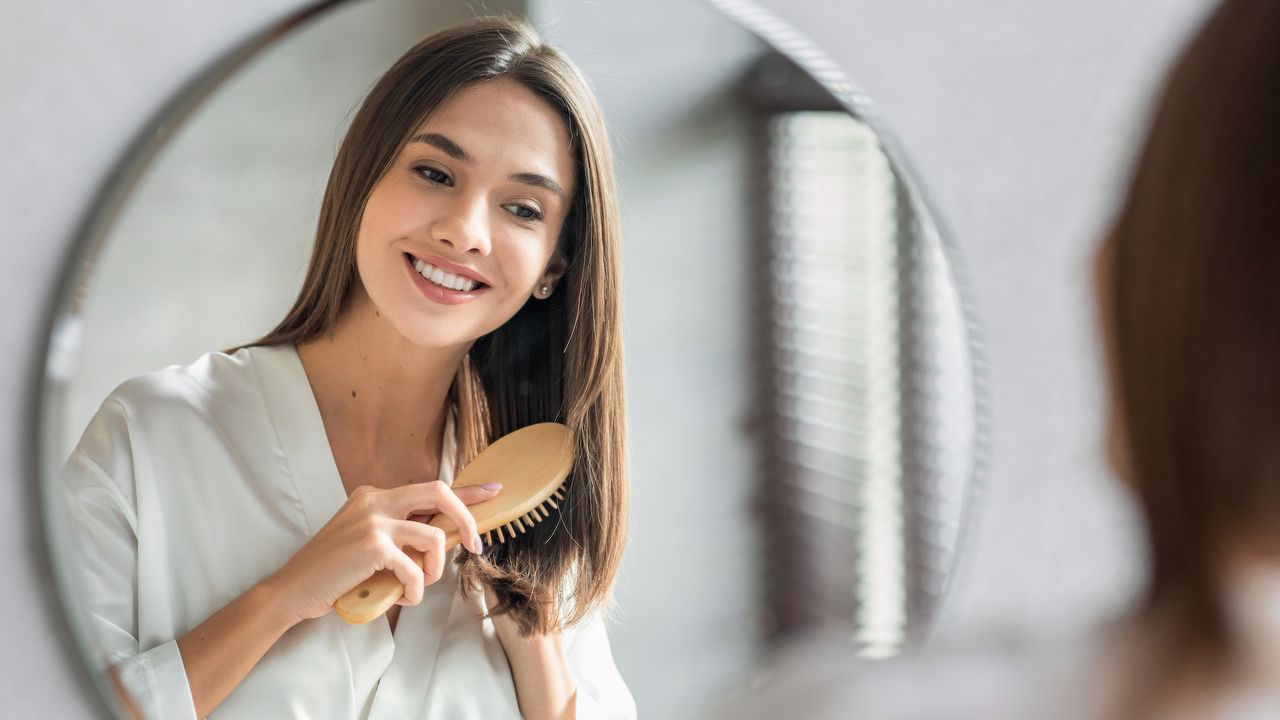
(1189, 284)
(1189, 297)
(463, 284)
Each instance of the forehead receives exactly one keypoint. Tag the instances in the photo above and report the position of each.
(506, 126)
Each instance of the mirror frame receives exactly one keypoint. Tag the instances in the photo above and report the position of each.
(784, 39)
(60, 341)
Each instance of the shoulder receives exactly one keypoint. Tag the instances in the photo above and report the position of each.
(215, 390)
(211, 377)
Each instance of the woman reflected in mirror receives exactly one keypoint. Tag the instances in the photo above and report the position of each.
(463, 284)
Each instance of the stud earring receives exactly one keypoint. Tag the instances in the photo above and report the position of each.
(545, 290)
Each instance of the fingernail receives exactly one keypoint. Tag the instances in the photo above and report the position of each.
(478, 544)
(491, 486)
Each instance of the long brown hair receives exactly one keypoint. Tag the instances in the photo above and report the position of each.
(1191, 305)
(558, 359)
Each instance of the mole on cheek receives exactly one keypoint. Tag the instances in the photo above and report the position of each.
(353, 393)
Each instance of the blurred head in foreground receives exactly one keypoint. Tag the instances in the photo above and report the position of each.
(1189, 299)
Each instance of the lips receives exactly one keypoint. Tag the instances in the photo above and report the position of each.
(437, 293)
(446, 266)
(447, 280)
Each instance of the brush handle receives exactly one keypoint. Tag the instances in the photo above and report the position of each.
(376, 595)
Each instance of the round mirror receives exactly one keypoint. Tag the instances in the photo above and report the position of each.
(803, 422)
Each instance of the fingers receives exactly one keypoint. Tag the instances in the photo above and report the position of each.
(472, 494)
(438, 497)
(427, 540)
(469, 495)
(409, 574)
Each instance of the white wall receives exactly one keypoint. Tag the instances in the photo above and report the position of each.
(1019, 117)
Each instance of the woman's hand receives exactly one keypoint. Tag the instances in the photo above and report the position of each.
(544, 687)
(366, 535)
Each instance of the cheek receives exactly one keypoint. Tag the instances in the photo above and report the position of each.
(368, 228)
(385, 214)
(386, 217)
(523, 260)
(392, 210)
(367, 266)
(520, 273)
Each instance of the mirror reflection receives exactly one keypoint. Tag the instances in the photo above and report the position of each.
(400, 233)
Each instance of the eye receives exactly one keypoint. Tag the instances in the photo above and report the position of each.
(433, 175)
(524, 212)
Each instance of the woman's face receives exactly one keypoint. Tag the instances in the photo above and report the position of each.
(475, 200)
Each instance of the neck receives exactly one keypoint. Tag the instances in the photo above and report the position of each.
(380, 395)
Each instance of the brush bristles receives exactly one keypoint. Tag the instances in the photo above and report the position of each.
(500, 534)
(555, 496)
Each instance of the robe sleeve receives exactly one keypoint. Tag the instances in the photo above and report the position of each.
(96, 490)
(601, 692)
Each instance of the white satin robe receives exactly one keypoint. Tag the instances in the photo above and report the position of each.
(191, 484)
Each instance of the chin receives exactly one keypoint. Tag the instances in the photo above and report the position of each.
(434, 335)
(435, 341)
(445, 326)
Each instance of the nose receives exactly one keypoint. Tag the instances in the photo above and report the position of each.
(464, 226)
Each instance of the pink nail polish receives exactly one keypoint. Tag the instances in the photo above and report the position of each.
(491, 486)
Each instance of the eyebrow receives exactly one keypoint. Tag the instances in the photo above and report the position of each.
(452, 149)
(446, 145)
(541, 181)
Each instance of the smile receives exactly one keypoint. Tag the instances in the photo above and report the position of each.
(440, 286)
(444, 279)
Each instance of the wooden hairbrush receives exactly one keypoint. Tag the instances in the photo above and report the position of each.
(531, 463)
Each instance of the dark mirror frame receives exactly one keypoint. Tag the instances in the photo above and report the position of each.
(816, 82)
(60, 340)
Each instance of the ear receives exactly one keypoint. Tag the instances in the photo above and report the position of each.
(556, 268)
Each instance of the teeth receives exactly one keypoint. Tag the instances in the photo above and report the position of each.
(442, 278)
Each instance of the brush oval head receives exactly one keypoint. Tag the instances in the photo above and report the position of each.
(531, 463)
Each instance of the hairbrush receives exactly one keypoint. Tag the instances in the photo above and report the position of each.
(531, 463)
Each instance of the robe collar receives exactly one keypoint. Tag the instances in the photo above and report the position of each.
(406, 660)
